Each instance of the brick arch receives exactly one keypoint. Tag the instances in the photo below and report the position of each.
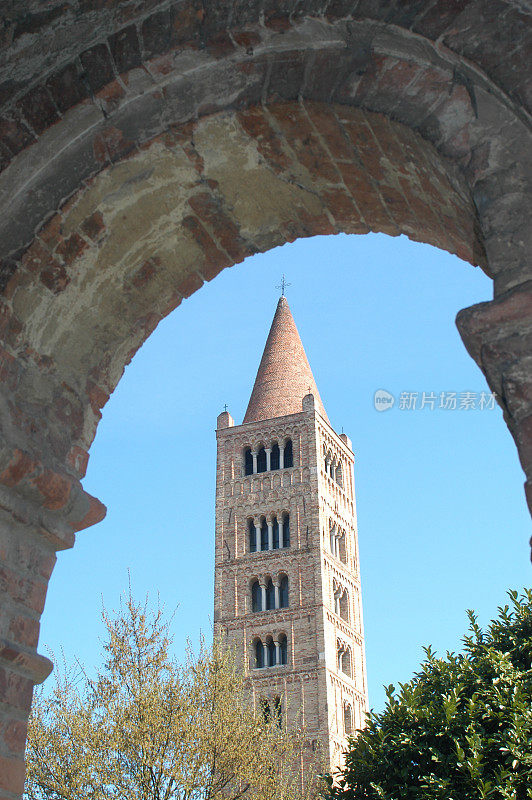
(225, 129)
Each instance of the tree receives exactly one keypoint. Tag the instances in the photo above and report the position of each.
(460, 729)
(148, 728)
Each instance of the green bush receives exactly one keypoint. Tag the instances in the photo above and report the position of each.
(460, 729)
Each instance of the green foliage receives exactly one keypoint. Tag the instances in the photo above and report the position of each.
(461, 729)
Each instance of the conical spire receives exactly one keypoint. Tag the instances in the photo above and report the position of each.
(284, 375)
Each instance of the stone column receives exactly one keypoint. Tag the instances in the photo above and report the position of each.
(263, 595)
(277, 653)
(258, 536)
(497, 335)
(265, 655)
(276, 591)
(281, 456)
(270, 534)
(268, 451)
(254, 457)
(37, 517)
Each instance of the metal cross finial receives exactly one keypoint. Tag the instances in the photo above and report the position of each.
(225, 407)
(284, 284)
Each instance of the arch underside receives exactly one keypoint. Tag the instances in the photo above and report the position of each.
(162, 143)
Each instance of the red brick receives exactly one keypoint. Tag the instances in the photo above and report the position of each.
(304, 142)
(225, 231)
(14, 134)
(214, 259)
(66, 87)
(220, 45)
(54, 488)
(78, 459)
(335, 136)
(94, 226)
(125, 49)
(189, 284)
(14, 735)
(39, 109)
(144, 274)
(21, 465)
(269, 143)
(55, 277)
(95, 513)
(247, 39)
(111, 145)
(12, 774)
(344, 211)
(98, 66)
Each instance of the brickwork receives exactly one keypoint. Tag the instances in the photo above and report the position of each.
(313, 689)
(145, 145)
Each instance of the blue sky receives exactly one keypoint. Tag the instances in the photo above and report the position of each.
(442, 519)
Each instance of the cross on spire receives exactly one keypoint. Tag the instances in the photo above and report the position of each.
(225, 407)
(284, 284)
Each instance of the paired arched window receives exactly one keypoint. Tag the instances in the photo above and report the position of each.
(337, 542)
(269, 535)
(265, 459)
(348, 719)
(343, 654)
(269, 595)
(332, 466)
(270, 652)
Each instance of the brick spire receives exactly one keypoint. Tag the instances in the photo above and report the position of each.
(284, 375)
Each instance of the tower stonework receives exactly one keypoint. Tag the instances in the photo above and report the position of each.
(287, 580)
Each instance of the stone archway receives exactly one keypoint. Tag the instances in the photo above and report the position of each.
(145, 147)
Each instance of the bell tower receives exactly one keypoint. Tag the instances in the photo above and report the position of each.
(287, 580)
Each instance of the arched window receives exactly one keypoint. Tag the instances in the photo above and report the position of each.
(283, 592)
(348, 719)
(263, 534)
(286, 530)
(274, 458)
(248, 461)
(270, 595)
(256, 596)
(259, 654)
(288, 453)
(275, 533)
(339, 475)
(261, 460)
(283, 648)
(341, 602)
(252, 536)
(271, 652)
